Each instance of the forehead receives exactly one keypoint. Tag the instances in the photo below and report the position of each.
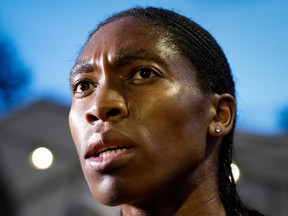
(129, 34)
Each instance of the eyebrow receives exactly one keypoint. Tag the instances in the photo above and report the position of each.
(83, 67)
(118, 60)
(140, 54)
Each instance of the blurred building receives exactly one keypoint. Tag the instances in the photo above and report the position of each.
(263, 163)
(62, 191)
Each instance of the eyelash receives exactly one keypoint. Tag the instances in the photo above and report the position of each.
(134, 77)
(84, 92)
(136, 72)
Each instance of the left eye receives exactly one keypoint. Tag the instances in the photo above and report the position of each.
(143, 73)
(84, 86)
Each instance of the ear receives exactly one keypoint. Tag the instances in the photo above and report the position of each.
(224, 111)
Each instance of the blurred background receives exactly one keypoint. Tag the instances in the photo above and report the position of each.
(39, 42)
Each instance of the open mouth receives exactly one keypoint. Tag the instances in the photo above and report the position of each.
(107, 152)
(105, 156)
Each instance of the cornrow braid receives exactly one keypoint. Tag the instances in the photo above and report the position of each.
(213, 74)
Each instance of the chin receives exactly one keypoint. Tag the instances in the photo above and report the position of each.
(108, 192)
(110, 199)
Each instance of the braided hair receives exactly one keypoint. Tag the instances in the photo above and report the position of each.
(213, 74)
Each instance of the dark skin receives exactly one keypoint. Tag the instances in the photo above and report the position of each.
(143, 129)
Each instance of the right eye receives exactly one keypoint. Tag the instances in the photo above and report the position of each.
(84, 87)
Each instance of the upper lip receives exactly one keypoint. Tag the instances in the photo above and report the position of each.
(107, 140)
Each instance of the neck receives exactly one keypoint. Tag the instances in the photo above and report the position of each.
(197, 196)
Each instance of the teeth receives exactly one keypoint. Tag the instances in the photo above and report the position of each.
(111, 151)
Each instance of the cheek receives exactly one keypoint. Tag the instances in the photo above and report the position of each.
(174, 109)
(175, 120)
(76, 128)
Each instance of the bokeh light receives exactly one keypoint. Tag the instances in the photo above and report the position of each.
(41, 158)
(235, 172)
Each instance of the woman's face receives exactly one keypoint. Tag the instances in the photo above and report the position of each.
(138, 118)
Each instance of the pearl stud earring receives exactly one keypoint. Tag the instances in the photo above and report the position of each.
(218, 129)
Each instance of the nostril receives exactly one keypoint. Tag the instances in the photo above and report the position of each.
(113, 112)
(92, 118)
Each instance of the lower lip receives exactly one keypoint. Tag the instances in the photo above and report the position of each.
(112, 161)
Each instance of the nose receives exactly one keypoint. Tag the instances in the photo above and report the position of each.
(108, 106)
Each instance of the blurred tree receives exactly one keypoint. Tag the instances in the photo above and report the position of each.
(13, 81)
(283, 120)
(8, 206)
(14, 77)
